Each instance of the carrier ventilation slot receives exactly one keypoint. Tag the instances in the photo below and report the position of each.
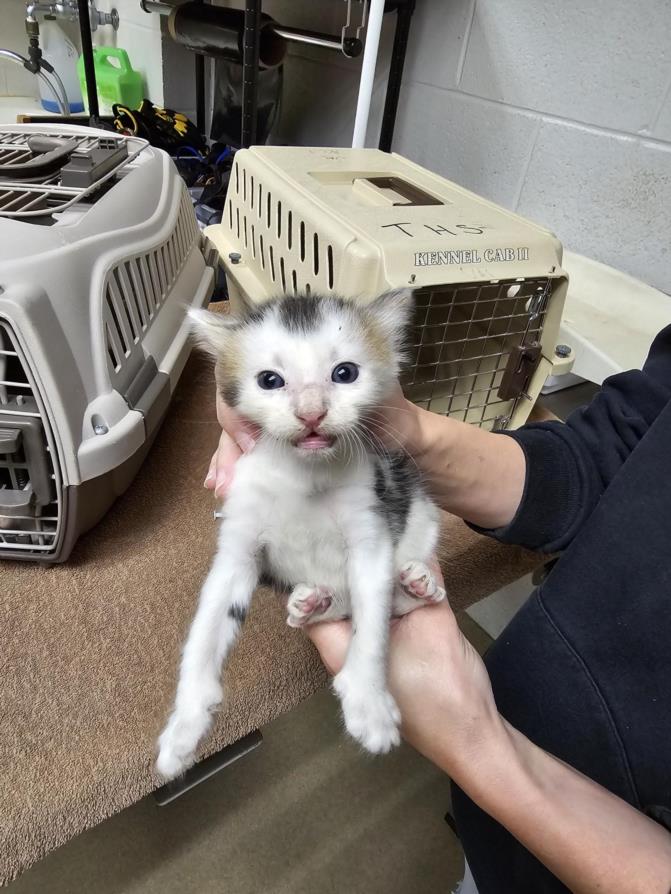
(284, 241)
(31, 507)
(137, 287)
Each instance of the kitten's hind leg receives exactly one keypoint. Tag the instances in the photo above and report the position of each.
(221, 610)
(307, 604)
(416, 585)
(370, 712)
(312, 604)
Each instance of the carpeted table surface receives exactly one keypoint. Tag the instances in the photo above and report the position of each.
(89, 649)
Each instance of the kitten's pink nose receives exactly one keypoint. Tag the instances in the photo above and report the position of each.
(311, 420)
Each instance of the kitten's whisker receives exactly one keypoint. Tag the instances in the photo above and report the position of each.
(396, 409)
(348, 447)
(401, 446)
(376, 444)
(359, 443)
(380, 422)
(385, 428)
(351, 445)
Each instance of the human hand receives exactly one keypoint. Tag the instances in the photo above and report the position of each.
(437, 678)
(237, 437)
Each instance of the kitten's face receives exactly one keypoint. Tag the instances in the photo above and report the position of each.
(307, 370)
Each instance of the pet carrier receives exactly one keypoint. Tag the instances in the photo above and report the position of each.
(99, 253)
(489, 284)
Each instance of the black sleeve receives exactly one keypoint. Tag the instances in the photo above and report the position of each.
(569, 466)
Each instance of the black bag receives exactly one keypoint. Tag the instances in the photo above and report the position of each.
(227, 102)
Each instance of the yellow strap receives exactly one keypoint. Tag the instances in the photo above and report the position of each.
(132, 117)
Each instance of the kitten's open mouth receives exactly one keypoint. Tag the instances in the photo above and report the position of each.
(315, 441)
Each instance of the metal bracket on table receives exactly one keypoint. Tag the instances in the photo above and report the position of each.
(207, 768)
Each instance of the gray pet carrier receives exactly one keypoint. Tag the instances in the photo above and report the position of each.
(100, 253)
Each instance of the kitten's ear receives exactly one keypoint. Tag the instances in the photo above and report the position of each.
(392, 312)
(212, 332)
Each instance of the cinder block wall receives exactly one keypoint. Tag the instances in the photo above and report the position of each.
(560, 111)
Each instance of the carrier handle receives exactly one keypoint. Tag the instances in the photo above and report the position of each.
(48, 155)
(383, 186)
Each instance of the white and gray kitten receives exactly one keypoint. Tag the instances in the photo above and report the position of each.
(318, 506)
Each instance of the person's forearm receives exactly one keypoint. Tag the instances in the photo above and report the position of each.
(472, 473)
(589, 838)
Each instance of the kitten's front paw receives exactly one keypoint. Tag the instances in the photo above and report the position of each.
(371, 716)
(307, 603)
(418, 581)
(179, 740)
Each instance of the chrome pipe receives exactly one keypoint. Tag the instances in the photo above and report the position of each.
(21, 60)
(163, 9)
(14, 57)
(351, 47)
(61, 100)
(61, 87)
(68, 10)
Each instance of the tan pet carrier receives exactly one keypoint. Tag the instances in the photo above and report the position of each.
(357, 222)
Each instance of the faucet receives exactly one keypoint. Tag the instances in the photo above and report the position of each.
(67, 9)
(36, 63)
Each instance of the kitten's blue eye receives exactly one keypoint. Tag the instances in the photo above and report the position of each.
(344, 373)
(269, 380)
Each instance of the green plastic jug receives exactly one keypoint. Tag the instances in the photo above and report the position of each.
(117, 81)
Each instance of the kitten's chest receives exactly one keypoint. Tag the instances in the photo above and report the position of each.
(303, 541)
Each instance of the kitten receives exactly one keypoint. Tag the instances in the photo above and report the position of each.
(318, 505)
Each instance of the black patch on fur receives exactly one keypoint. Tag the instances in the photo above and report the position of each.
(230, 391)
(297, 313)
(256, 315)
(237, 613)
(300, 314)
(267, 579)
(397, 482)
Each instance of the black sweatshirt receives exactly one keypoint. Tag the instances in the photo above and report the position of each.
(584, 669)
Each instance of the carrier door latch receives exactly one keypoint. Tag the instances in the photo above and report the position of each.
(10, 439)
(522, 364)
(25, 483)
